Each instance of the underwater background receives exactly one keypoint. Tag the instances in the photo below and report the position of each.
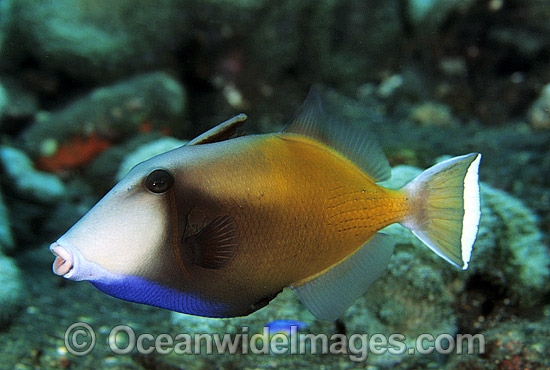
(90, 88)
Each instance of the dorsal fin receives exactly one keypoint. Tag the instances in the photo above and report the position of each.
(221, 132)
(215, 245)
(355, 144)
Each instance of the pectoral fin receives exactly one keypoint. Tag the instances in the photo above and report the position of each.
(215, 245)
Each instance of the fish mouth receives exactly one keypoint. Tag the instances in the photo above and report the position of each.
(64, 262)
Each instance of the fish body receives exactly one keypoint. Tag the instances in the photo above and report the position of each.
(220, 226)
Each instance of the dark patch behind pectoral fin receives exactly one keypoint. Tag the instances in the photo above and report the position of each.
(221, 132)
(329, 295)
(215, 245)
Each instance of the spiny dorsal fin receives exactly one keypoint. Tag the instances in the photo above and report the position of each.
(221, 132)
(355, 144)
(215, 245)
(329, 295)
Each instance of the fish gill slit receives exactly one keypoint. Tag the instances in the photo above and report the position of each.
(175, 232)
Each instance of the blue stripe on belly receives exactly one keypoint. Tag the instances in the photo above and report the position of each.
(140, 290)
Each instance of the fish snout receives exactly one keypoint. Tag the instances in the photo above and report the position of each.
(63, 259)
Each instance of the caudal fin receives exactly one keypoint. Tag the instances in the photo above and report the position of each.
(445, 208)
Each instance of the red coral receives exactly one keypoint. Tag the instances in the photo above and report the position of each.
(75, 153)
(514, 363)
(145, 126)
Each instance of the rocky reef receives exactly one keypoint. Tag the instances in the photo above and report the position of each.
(12, 291)
(99, 40)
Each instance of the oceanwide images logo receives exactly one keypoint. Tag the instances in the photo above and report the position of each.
(80, 340)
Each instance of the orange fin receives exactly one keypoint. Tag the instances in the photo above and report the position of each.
(359, 146)
(221, 132)
(215, 245)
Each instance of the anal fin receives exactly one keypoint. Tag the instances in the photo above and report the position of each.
(329, 295)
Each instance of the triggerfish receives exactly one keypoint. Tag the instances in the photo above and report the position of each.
(219, 226)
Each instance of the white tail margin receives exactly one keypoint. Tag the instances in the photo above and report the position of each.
(445, 208)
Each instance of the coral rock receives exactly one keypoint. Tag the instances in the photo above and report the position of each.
(539, 113)
(11, 289)
(6, 237)
(110, 113)
(99, 40)
(28, 182)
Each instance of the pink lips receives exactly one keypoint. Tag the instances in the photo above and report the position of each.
(64, 259)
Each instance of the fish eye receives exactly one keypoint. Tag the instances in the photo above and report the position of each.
(159, 181)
